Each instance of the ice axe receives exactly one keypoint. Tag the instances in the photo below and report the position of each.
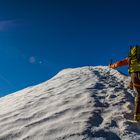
(111, 62)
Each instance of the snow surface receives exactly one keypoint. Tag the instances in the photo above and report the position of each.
(88, 103)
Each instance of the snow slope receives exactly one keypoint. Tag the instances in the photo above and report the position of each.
(88, 103)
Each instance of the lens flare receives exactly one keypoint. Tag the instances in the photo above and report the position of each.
(32, 60)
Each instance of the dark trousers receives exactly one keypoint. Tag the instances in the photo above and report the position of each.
(135, 81)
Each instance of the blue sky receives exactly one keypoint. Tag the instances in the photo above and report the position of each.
(38, 38)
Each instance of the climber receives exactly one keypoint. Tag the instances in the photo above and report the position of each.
(133, 60)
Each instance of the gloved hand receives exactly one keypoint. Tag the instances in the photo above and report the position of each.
(130, 85)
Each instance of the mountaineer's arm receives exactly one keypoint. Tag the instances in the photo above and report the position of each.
(123, 62)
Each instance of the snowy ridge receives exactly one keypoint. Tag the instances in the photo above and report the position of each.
(77, 104)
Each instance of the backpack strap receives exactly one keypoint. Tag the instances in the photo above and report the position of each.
(138, 53)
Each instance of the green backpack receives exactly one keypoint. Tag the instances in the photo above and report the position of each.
(134, 59)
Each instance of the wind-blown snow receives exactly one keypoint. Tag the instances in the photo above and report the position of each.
(88, 103)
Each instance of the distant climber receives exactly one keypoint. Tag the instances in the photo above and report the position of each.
(133, 60)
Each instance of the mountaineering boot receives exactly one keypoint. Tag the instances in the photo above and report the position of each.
(137, 117)
(137, 109)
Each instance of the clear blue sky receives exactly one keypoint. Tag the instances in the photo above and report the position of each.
(38, 38)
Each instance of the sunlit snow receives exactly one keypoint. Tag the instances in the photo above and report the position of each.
(88, 103)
